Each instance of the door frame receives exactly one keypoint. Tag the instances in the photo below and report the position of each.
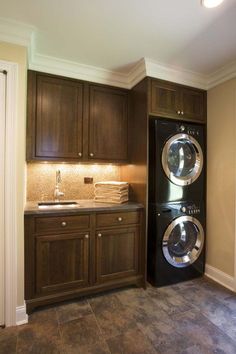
(11, 234)
(234, 278)
(2, 192)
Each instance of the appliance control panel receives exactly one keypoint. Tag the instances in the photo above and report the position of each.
(190, 209)
(182, 128)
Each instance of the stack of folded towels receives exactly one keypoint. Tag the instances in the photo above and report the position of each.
(111, 192)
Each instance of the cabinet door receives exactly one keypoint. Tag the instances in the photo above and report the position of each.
(165, 99)
(108, 123)
(59, 116)
(61, 262)
(117, 253)
(193, 104)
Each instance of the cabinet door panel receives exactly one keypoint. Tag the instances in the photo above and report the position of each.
(61, 262)
(59, 117)
(165, 99)
(108, 123)
(193, 103)
(117, 253)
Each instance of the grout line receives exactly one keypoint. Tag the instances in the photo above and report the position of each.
(221, 330)
(60, 331)
(104, 339)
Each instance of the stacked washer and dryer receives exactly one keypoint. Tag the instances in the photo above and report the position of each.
(176, 215)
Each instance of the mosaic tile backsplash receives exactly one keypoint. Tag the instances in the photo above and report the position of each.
(41, 179)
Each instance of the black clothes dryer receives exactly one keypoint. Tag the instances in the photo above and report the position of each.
(176, 242)
(176, 161)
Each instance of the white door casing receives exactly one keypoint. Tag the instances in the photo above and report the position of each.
(2, 194)
(10, 200)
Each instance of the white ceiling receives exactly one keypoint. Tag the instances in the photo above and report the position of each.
(115, 34)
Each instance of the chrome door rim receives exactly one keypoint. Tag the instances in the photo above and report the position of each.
(191, 177)
(190, 257)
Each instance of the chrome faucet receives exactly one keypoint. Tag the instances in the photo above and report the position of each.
(57, 193)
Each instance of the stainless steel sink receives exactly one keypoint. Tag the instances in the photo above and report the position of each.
(55, 205)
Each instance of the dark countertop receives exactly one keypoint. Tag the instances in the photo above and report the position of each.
(83, 206)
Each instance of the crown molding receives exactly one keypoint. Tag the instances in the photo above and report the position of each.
(221, 75)
(170, 73)
(22, 34)
(144, 67)
(76, 70)
(15, 32)
(57, 66)
(137, 73)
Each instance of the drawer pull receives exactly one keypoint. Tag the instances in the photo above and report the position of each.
(80, 154)
(91, 154)
(63, 224)
(182, 113)
(178, 112)
(120, 218)
(99, 235)
(86, 236)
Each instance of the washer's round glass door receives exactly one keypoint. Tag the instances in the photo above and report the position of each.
(183, 241)
(182, 159)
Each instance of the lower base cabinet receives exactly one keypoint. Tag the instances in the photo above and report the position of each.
(67, 256)
(61, 262)
(117, 253)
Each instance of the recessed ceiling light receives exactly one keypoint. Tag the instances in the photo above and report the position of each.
(211, 3)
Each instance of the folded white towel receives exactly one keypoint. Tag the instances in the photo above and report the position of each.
(109, 183)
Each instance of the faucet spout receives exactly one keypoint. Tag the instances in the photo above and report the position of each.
(57, 192)
(58, 176)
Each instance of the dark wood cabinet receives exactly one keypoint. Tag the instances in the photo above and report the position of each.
(55, 117)
(61, 262)
(116, 253)
(72, 120)
(171, 100)
(108, 123)
(165, 99)
(194, 104)
(79, 254)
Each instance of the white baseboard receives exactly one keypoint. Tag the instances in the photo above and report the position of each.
(220, 277)
(21, 315)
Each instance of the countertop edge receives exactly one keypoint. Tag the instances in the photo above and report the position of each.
(32, 209)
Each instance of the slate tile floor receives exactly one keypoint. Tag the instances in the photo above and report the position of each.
(195, 317)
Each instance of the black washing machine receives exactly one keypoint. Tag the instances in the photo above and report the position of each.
(176, 161)
(176, 242)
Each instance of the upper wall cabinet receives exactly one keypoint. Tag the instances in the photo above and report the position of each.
(71, 120)
(55, 117)
(108, 123)
(177, 101)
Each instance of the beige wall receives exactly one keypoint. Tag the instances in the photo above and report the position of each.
(18, 54)
(221, 180)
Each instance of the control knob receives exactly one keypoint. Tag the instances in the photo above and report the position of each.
(183, 209)
(182, 128)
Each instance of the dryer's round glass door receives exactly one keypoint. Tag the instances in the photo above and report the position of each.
(183, 241)
(182, 159)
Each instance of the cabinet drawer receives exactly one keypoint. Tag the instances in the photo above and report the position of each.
(114, 219)
(62, 223)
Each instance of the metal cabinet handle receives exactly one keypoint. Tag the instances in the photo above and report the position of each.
(182, 113)
(91, 154)
(86, 236)
(178, 112)
(120, 218)
(63, 224)
(80, 154)
(99, 235)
